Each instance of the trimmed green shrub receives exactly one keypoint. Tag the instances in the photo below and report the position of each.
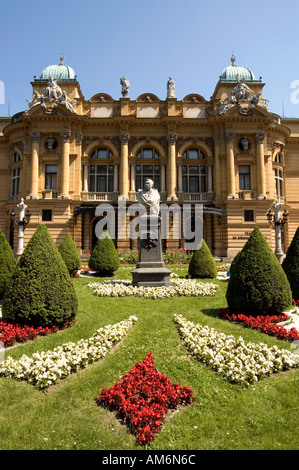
(104, 258)
(70, 255)
(290, 265)
(7, 263)
(258, 285)
(40, 291)
(202, 265)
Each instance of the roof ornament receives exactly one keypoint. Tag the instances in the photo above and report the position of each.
(233, 60)
(61, 59)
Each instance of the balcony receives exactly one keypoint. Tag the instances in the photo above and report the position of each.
(49, 194)
(96, 196)
(196, 197)
(246, 194)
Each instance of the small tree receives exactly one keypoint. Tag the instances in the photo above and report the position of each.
(104, 258)
(40, 291)
(202, 264)
(290, 265)
(7, 263)
(258, 285)
(70, 255)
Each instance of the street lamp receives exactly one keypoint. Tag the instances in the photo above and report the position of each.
(22, 220)
(277, 222)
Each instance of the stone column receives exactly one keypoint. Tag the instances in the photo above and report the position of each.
(180, 177)
(230, 165)
(210, 177)
(217, 183)
(171, 170)
(66, 137)
(34, 164)
(85, 177)
(133, 189)
(115, 179)
(124, 166)
(260, 159)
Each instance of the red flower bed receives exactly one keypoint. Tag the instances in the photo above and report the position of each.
(143, 397)
(11, 334)
(267, 324)
(295, 302)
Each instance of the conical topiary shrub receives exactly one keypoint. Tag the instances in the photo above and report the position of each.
(70, 255)
(104, 258)
(258, 285)
(7, 263)
(40, 292)
(202, 265)
(290, 265)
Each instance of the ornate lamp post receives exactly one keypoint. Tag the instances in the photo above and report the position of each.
(277, 222)
(22, 220)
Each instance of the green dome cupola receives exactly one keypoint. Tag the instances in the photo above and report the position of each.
(59, 72)
(233, 73)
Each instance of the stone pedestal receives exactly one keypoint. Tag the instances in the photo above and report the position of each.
(150, 270)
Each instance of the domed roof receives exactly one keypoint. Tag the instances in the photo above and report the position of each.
(58, 72)
(235, 73)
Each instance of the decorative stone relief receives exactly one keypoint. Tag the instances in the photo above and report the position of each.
(52, 97)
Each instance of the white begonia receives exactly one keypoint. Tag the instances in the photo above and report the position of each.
(45, 368)
(232, 358)
(178, 287)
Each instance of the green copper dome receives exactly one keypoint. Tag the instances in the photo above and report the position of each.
(234, 73)
(58, 72)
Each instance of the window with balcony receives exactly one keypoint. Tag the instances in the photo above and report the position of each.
(147, 171)
(244, 177)
(50, 176)
(194, 178)
(101, 178)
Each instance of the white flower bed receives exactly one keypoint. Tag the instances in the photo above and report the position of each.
(238, 362)
(44, 369)
(179, 287)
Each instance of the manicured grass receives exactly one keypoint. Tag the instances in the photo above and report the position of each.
(223, 415)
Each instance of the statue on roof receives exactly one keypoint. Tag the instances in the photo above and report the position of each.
(170, 88)
(242, 91)
(125, 85)
(52, 91)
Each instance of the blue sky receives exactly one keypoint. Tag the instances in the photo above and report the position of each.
(191, 40)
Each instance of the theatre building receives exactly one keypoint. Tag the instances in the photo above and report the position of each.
(69, 157)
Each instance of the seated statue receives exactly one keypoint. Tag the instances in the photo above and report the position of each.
(149, 197)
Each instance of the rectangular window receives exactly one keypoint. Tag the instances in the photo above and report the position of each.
(279, 182)
(50, 176)
(248, 216)
(244, 177)
(15, 182)
(47, 215)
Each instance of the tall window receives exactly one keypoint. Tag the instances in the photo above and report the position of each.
(15, 182)
(278, 174)
(50, 176)
(193, 173)
(244, 177)
(194, 178)
(147, 171)
(101, 178)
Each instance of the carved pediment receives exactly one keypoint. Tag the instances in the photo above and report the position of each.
(147, 98)
(101, 98)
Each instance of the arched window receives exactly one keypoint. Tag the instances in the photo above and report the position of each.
(193, 172)
(102, 153)
(147, 153)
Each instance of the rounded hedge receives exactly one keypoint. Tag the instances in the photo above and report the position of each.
(202, 264)
(70, 255)
(258, 285)
(104, 258)
(40, 291)
(290, 265)
(7, 263)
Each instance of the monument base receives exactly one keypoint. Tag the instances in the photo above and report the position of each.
(150, 270)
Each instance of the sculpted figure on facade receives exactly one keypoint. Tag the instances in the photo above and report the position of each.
(52, 91)
(149, 197)
(242, 91)
(37, 98)
(125, 85)
(52, 97)
(170, 88)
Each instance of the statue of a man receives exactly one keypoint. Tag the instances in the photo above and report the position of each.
(149, 197)
(170, 88)
(125, 85)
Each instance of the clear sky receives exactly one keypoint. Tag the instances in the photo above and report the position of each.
(147, 41)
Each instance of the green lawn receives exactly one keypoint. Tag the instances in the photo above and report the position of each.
(223, 416)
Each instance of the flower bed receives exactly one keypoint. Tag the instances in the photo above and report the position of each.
(11, 334)
(239, 363)
(267, 324)
(179, 287)
(143, 398)
(44, 369)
